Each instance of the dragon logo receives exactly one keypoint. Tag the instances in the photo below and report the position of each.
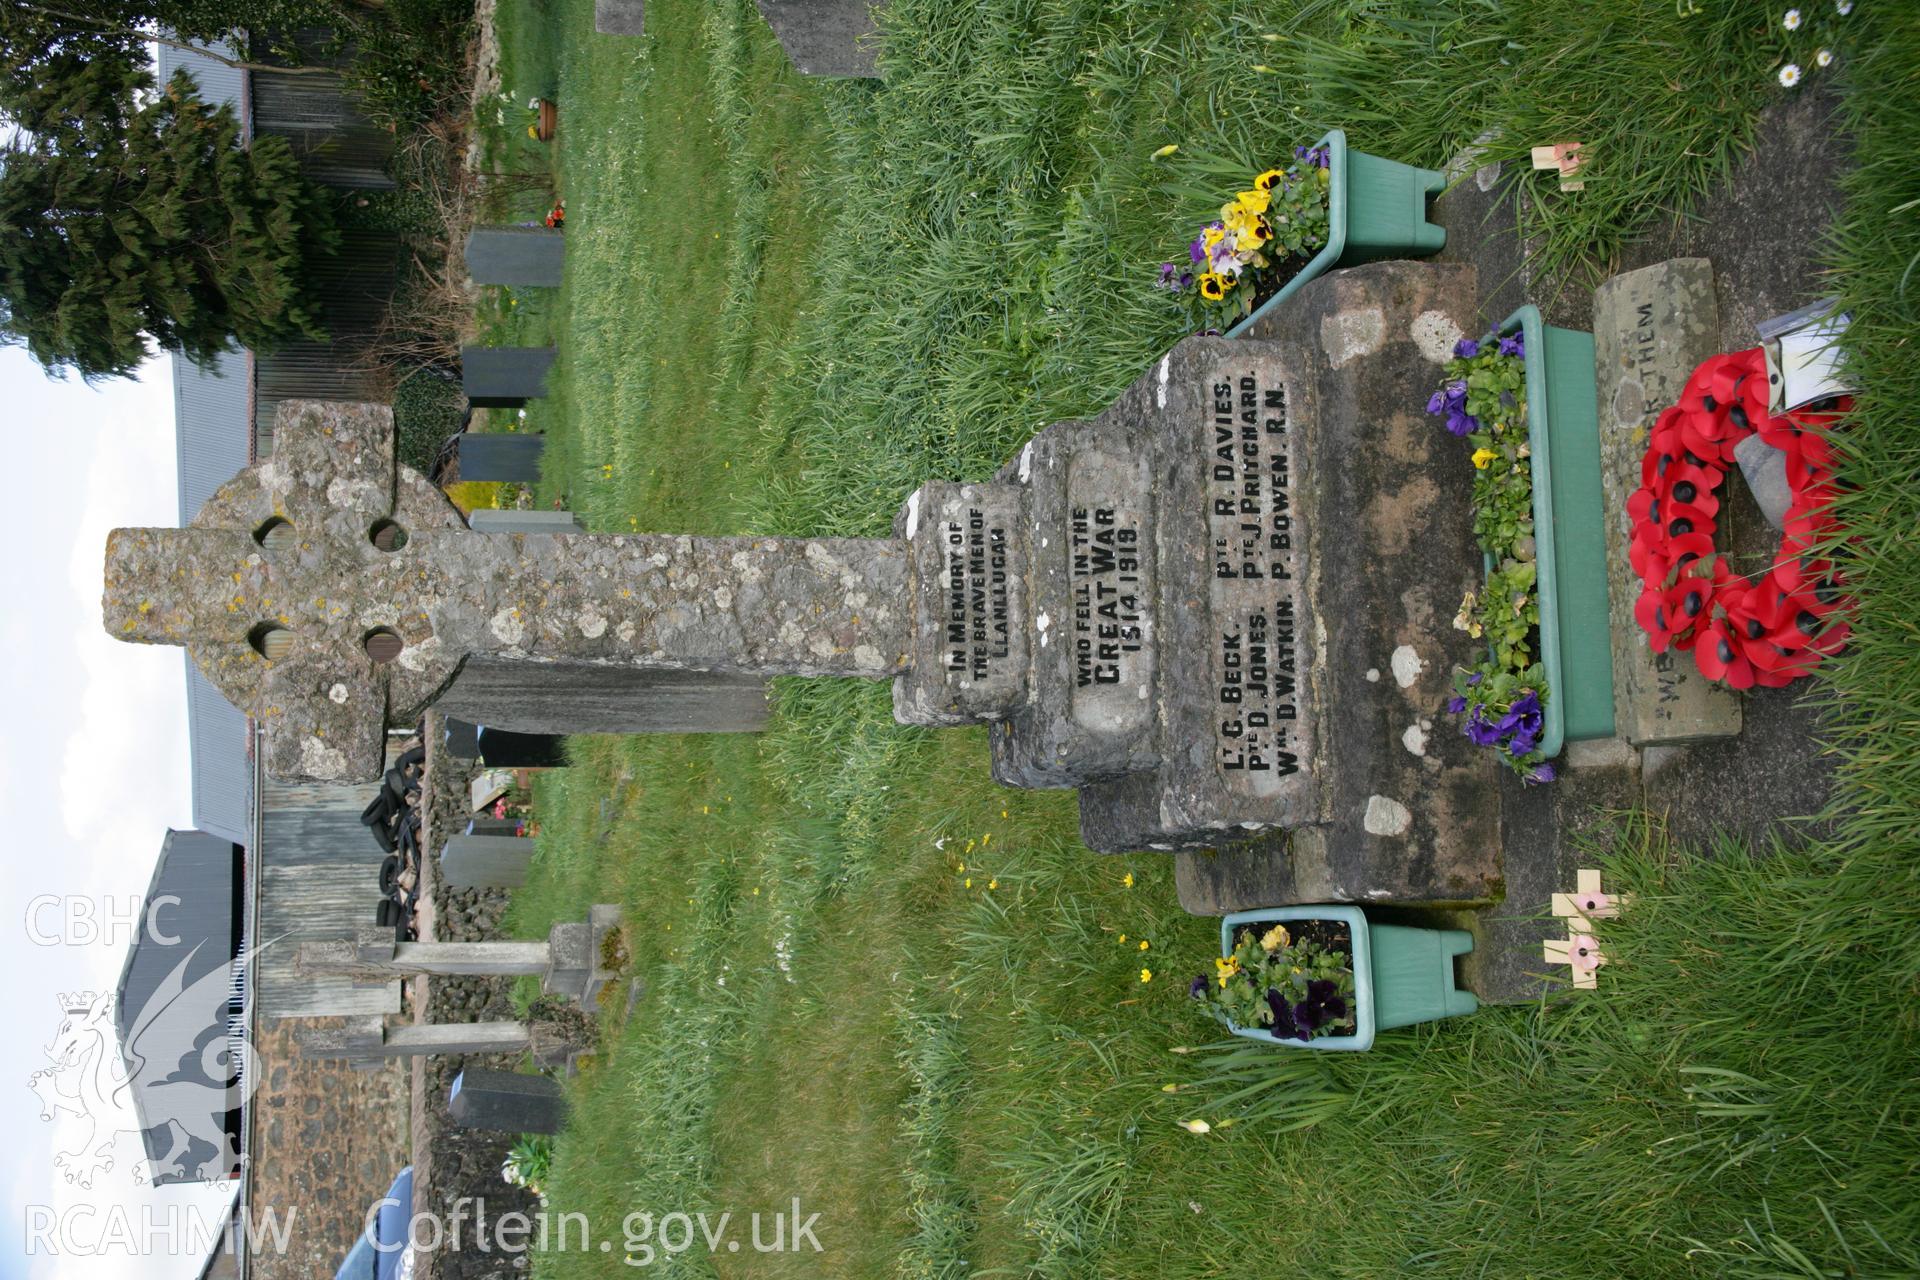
(168, 1090)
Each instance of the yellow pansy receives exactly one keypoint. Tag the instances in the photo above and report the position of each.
(1275, 938)
(1211, 237)
(1213, 286)
(1270, 179)
(1256, 200)
(1481, 457)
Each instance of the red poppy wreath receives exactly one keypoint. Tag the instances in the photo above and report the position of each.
(1769, 630)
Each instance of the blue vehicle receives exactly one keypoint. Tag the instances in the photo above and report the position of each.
(381, 1253)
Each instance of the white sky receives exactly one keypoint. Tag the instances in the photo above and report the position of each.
(93, 762)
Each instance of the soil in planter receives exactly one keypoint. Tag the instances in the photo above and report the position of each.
(1271, 281)
(1329, 935)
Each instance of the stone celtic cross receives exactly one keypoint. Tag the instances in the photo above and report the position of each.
(329, 592)
(1218, 608)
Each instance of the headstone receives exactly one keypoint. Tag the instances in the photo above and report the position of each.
(506, 749)
(620, 17)
(506, 1102)
(485, 861)
(488, 787)
(1221, 607)
(511, 520)
(1651, 328)
(516, 255)
(506, 456)
(571, 963)
(504, 377)
(460, 738)
(495, 827)
(825, 37)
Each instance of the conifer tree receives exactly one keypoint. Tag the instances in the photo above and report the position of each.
(130, 217)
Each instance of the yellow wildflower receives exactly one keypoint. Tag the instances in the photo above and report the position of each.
(968, 883)
(1166, 151)
(1127, 880)
(1144, 944)
(1481, 457)
(994, 883)
(1146, 975)
(1123, 939)
(986, 839)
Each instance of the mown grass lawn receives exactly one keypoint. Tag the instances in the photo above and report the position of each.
(911, 999)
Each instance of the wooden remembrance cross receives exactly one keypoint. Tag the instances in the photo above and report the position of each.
(1183, 606)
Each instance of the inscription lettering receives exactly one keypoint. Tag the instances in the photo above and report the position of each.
(1251, 523)
(978, 618)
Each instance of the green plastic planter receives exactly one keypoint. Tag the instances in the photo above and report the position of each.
(1400, 976)
(1569, 533)
(1375, 209)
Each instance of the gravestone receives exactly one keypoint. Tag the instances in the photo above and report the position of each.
(571, 964)
(511, 457)
(506, 749)
(1220, 608)
(620, 17)
(507, 1102)
(460, 738)
(825, 37)
(516, 255)
(504, 377)
(1651, 328)
(485, 861)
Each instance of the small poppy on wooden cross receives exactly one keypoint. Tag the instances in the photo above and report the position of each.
(1564, 156)
(1580, 908)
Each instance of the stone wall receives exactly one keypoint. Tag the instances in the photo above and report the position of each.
(327, 1142)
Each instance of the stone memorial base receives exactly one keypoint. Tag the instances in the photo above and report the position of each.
(1222, 608)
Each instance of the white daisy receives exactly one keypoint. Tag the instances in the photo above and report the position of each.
(1824, 57)
(1792, 21)
(1790, 74)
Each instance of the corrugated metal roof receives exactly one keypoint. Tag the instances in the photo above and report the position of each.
(212, 406)
(218, 82)
(173, 1009)
(218, 737)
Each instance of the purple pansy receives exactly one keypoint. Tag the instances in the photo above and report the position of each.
(1513, 346)
(1543, 773)
(1478, 731)
(1466, 348)
(1198, 987)
(1284, 1026)
(1456, 704)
